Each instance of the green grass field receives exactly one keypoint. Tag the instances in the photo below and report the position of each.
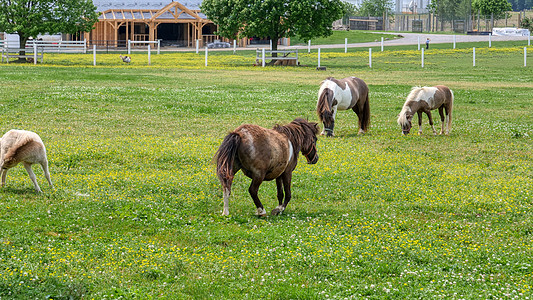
(136, 208)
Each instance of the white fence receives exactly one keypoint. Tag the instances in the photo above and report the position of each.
(59, 46)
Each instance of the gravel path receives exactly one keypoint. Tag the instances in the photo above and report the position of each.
(412, 39)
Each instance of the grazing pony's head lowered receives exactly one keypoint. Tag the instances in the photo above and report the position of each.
(302, 135)
(405, 117)
(324, 111)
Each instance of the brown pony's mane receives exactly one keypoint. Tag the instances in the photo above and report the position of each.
(299, 132)
(323, 107)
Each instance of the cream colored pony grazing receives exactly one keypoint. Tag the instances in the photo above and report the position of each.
(26, 147)
(424, 100)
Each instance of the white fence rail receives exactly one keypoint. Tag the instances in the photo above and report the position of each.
(59, 46)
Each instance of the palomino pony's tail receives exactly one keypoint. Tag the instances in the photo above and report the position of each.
(225, 158)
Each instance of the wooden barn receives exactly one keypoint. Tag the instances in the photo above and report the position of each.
(174, 23)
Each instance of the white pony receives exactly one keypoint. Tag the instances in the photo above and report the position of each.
(425, 99)
(26, 147)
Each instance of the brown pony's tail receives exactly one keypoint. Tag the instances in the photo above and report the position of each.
(365, 122)
(225, 157)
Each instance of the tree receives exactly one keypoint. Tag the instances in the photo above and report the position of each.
(29, 18)
(497, 8)
(375, 8)
(273, 19)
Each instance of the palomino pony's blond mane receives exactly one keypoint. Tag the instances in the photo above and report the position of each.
(413, 95)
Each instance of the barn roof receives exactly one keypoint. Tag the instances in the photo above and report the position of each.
(149, 10)
(103, 5)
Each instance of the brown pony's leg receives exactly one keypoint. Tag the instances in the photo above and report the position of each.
(428, 112)
(442, 119)
(285, 181)
(253, 189)
(419, 122)
(279, 187)
(448, 110)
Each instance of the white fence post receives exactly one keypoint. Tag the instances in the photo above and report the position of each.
(149, 56)
(474, 57)
(490, 40)
(309, 46)
(197, 45)
(94, 54)
(370, 57)
(263, 57)
(454, 41)
(422, 57)
(319, 57)
(525, 56)
(529, 39)
(270, 45)
(206, 54)
(129, 46)
(418, 43)
(84, 45)
(345, 45)
(234, 46)
(158, 46)
(34, 53)
(381, 44)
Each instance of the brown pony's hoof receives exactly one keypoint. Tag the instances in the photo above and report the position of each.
(277, 211)
(261, 212)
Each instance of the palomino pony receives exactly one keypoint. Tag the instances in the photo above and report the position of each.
(265, 154)
(343, 94)
(26, 147)
(425, 99)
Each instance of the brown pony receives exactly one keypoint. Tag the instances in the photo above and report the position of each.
(425, 99)
(265, 154)
(343, 94)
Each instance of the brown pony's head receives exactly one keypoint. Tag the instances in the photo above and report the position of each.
(308, 139)
(302, 135)
(324, 112)
(405, 120)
